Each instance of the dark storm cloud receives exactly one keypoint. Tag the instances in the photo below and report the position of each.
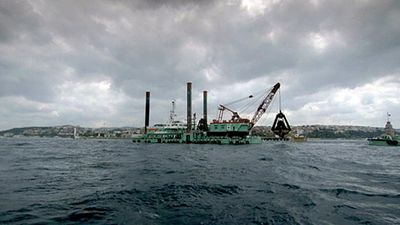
(17, 19)
(156, 45)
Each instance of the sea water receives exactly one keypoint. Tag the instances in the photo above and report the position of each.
(87, 181)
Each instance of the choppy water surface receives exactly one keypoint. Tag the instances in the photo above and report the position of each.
(64, 181)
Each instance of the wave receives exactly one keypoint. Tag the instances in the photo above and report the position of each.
(22, 144)
(17, 216)
(167, 192)
(266, 159)
(103, 206)
(313, 167)
(199, 189)
(90, 213)
(287, 186)
(344, 206)
(343, 192)
(291, 186)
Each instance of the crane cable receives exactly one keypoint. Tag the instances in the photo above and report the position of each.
(256, 98)
(247, 106)
(280, 102)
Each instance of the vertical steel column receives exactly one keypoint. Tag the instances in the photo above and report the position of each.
(189, 106)
(147, 112)
(205, 106)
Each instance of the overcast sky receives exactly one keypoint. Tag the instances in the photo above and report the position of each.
(89, 63)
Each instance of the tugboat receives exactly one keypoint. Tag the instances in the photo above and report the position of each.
(298, 136)
(389, 138)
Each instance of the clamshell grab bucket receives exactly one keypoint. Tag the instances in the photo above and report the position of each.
(281, 126)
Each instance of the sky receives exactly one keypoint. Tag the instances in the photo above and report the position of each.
(89, 63)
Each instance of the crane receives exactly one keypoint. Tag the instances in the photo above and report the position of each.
(264, 105)
(257, 115)
(222, 108)
(241, 127)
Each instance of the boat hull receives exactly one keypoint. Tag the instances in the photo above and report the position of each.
(383, 142)
(194, 137)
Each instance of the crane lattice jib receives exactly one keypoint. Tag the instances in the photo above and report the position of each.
(221, 109)
(264, 105)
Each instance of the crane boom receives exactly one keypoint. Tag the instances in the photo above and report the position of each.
(264, 105)
(221, 109)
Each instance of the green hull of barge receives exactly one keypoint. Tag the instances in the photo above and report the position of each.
(196, 137)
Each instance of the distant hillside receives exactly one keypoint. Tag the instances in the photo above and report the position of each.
(68, 131)
(346, 132)
(311, 131)
(327, 131)
(34, 131)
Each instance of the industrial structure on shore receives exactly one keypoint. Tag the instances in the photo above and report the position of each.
(236, 130)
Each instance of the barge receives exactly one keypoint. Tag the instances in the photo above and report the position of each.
(236, 130)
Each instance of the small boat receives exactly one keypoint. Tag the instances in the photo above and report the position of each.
(389, 138)
(384, 140)
(298, 138)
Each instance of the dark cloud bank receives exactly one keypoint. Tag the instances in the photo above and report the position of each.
(90, 62)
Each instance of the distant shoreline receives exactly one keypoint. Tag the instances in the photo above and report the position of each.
(311, 131)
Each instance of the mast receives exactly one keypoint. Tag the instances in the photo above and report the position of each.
(205, 106)
(172, 114)
(147, 112)
(189, 106)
